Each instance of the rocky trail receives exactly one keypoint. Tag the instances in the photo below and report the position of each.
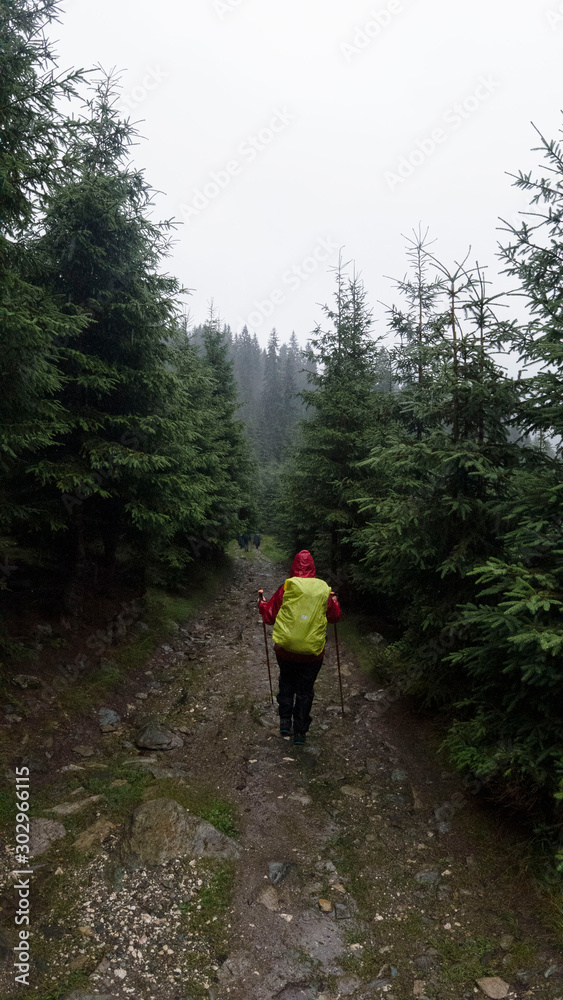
(183, 850)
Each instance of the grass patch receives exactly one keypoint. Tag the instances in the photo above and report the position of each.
(198, 800)
(163, 612)
(269, 547)
(74, 981)
(273, 550)
(207, 916)
(465, 961)
(354, 630)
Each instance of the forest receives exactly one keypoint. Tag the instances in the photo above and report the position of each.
(422, 474)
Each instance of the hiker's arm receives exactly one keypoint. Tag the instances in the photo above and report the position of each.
(333, 612)
(269, 609)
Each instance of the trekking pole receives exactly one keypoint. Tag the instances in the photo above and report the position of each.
(338, 662)
(267, 654)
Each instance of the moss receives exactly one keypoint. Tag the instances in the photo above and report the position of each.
(74, 981)
(199, 800)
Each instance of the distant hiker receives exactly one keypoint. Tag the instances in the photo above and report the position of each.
(246, 539)
(240, 541)
(299, 611)
(257, 540)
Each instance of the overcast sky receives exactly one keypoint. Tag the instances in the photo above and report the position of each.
(280, 130)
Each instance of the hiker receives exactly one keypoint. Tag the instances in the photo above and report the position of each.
(246, 539)
(240, 541)
(257, 540)
(299, 611)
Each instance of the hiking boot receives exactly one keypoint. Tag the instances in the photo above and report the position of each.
(299, 739)
(285, 727)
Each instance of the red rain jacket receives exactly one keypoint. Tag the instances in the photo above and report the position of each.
(303, 565)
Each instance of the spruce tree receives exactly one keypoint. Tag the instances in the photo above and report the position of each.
(325, 475)
(229, 465)
(32, 324)
(99, 254)
(442, 461)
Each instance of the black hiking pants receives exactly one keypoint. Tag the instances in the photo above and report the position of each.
(297, 683)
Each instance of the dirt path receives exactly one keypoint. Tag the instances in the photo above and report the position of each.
(424, 894)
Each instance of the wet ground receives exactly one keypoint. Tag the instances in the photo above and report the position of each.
(363, 868)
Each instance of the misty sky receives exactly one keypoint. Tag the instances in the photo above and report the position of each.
(280, 130)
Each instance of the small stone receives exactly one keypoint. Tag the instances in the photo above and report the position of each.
(95, 834)
(269, 898)
(79, 962)
(83, 751)
(399, 775)
(342, 912)
(325, 905)
(157, 737)
(506, 942)
(303, 800)
(118, 783)
(26, 681)
(374, 695)
(42, 833)
(109, 720)
(352, 791)
(86, 931)
(418, 988)
(423, 962)
(372, 765)
(67, 808)
(493, 987)
(376, 639)
(427, 878)
(279, 870)
(44, 631)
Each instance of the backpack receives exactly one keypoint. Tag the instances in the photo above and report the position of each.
(300, 625)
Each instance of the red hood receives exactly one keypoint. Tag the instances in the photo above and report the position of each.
(303, 564)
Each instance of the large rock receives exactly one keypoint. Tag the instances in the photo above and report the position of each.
(493, 987)
(42, 834)
(161, 830)
(157, 737)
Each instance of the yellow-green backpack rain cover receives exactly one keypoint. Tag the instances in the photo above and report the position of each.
(300, 625)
